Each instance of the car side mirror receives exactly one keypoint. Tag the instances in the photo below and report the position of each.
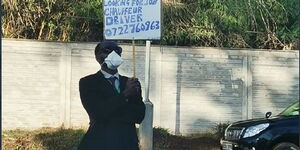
(268, 115)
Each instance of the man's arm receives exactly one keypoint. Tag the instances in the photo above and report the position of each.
(134, 112)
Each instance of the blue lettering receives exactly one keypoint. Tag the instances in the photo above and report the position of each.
(145, 3)
(116, 20)
(125, 11)
(140, 10)
(132, 28)
(133, 2)
(132, 19)
(136, 2)
(106, 12)
(109, 21)
(116, 3)
(127, 18)
(126, 29)
(122, 3)
(109, 3)
(105, 3)
(137, 29)
(121, 20)
(139, 18)
(112, 11)
(107, 32)
(135, 9)
(152, 2)
(130, 10)
(122, 11)
(121, 30)
(157, 25)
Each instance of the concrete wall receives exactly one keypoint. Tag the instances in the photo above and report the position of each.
(192, 89)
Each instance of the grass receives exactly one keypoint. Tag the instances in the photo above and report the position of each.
(42, 139)
(68, 139)
(163, 140)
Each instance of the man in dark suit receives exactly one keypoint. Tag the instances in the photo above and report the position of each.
(113, 102)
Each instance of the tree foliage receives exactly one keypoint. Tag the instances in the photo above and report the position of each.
(232, 23)
(36, 19)
(61, 20)
(271, 24)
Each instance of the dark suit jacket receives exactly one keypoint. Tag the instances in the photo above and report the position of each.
(112, 117)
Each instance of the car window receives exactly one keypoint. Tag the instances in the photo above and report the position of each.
(291, 110)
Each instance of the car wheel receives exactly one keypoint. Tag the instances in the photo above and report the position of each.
(286, 146)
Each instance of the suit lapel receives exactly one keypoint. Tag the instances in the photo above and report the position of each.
(123, 81)
(104, 82)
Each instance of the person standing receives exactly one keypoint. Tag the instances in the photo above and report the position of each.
(113, 102)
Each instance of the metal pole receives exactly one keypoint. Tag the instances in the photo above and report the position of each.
(146, 127)
(147, 71)
(133, 55)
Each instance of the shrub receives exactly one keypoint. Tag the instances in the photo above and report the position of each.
(42, 139)
(219, 129)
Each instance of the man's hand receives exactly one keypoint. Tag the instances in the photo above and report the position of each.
(133, 87)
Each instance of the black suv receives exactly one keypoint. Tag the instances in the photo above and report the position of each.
(280, 132)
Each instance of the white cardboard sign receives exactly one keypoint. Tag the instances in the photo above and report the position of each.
(132, 19)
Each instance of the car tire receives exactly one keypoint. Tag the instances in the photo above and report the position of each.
(286, 146)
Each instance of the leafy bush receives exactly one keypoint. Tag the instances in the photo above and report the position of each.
(219, 130)
(271, 24)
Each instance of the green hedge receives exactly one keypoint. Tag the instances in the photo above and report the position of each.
(223, 23)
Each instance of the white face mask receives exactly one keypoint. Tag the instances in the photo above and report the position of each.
(113, 60)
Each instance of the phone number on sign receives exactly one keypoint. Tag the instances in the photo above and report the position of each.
(132, 28)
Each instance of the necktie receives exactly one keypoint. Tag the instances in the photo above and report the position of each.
(113, 82)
